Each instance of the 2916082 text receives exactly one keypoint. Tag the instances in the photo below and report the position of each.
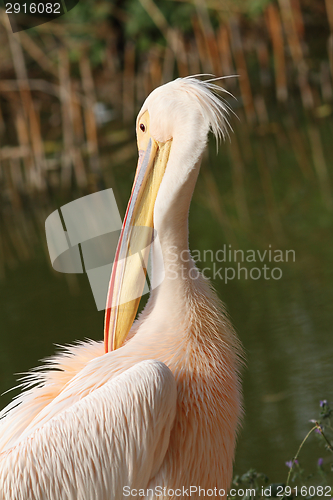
(304, 491)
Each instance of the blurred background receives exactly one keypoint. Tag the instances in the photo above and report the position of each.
(69, 93)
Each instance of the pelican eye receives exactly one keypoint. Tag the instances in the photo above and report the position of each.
(142, 127)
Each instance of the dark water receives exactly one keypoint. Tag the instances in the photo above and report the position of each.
(285, 324)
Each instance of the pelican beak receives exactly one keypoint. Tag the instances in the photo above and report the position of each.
(129, 269)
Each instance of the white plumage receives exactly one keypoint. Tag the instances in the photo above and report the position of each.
(135, 437)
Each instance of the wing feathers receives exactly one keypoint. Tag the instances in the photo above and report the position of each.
(116, 436)
(48, 383)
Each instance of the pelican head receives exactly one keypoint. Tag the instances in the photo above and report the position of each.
(172, 128)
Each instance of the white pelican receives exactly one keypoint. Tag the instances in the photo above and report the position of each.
(153, 411)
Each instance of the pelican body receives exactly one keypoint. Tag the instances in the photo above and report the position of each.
(152, 412)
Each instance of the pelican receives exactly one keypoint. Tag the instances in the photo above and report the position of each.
(153, 411)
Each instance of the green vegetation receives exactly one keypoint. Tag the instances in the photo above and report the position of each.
(315, 484)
